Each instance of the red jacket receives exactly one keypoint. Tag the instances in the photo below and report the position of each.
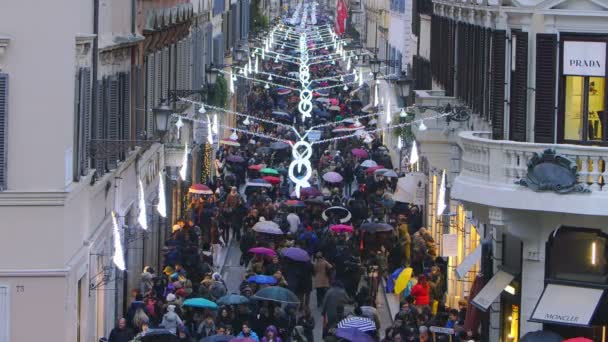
(422, 294)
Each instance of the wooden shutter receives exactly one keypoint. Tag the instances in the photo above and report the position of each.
(150, 91)
(100, 113)
(139, 113)
(113, 106)
(544, 104)
(85, 118)
(498, 84)
(519, 89)
(125, 105)
(3, 130)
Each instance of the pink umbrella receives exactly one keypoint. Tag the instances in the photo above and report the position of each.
(341, 228)
(332, 177)
(256, 167)
(359, 153)
(272, 179)
(263, 251)
(334, 101)
(374, 168)
(200, 189)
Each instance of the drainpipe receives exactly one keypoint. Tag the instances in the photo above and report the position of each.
(133, 15)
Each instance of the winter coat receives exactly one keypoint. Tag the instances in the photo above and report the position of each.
(421, 294)
(171, 321)
(252, 335)
(322, 271)
(335, 297)
(146, 283)
(121, 335)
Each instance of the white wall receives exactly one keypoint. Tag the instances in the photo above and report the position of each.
(400, 33)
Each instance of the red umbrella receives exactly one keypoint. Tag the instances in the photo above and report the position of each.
(359, 153)
(374, 168)
(201, 189)
(341, 228)
(272, 179)
(257, 167)
(578, 339)
(262, 251)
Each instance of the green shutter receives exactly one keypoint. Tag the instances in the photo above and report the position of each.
(544, 104)
(3, 130)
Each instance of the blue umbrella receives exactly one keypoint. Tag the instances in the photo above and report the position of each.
(262, 279)
(280, 113)
(279, 145)
(296, 254)
(277, 294)
(353, 334)
(233, 299)
(200, 303)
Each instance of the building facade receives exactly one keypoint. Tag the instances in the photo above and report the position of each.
(525, 81)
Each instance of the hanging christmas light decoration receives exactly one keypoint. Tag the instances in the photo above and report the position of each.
(234, 136)
(388, 112)
(202, 109)
(162, 201)
(403, 113)
(179, 124)
(399, 143)
(142, 218)
(422, 126)
(414, 154)
(184, 168)
(441, 205)
(119, 256)
(214, 128)
(209, 131)
(246, 122)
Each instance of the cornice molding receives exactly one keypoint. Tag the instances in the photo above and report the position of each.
(34, 198)
(42, 273)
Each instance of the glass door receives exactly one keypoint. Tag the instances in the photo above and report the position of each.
(584, 114)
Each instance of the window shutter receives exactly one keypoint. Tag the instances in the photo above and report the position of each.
(139, 94)
(164, 72)
(150, 91)
(3, 131)
(125, 105)
(519, 89)
(498, 83)
(544, 104)
(85, 100)
(113, 117)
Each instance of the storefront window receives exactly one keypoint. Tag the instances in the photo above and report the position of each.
(596, 95)
(586, 260)
(575, 104)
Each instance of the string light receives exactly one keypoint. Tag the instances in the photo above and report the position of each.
(403, 113)
(162, 201)
(214, 127)
(202, 109)
(388, 112)
(414, 154)
(422, 126)
(233, 136)
(142, 218)
(119, 256)
(246, 122)
(184, 168)
(209, 131)
(441, 205)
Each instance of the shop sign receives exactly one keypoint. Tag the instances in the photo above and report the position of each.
(576, 305)
(584, 58)
(411, 189)
(449, 245)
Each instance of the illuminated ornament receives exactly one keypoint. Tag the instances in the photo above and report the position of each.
(242, 71)
(341, 78)
(202, 109)
(345, 88)
(119, 257)
(209, 131)
(361, 78)
(348, 65)
(214, 127)
(301, 160)
(183, 170)
(234, 77)
(357, 123)
(246, 122)
(270, 77)
(276, 59)
(376, 99)
(356, 76)
(162, 201)
(422, 126)
(257, 69)
(333, 62)
(233, 136)
(142, 218)
(263, 55)
(441, 205)
(399, 143)
(179, 124)
(231, 83)
(414, 154)
(388, 112)
(266, 86)
(250, 71)
(403, 113)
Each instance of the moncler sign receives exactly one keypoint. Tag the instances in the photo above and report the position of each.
(584, 58)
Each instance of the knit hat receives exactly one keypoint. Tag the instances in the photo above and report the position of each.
(170, 297)
(216, 276)
(171, 308)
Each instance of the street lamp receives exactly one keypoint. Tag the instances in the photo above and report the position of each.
(374, 65)
(239, 55)
(161, 117)
(212, 73)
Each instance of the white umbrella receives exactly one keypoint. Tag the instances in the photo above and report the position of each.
(369, 163)
(267, 227)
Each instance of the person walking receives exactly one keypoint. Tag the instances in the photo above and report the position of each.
(322, 277)
(121, 333)
(171, 320)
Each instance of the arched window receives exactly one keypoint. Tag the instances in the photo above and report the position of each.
(578, 255)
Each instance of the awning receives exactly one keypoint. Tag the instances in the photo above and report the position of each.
(492, 290)
(468, 262)
(576, 305)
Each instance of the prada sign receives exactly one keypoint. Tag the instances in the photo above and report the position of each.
(584, 58)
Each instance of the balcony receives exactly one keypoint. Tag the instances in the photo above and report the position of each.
(491, 168)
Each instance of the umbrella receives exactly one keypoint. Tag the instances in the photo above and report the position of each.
(158, 335)
(218, 338)
(200, 303)
(359, 323)
(258, 184)
(390, 174)
(262, 279)
(402, 280)
(272, 179)
(230, 142)
(277, 294)
(316, 200)
(235, 159)
(353, 334)
(280, 113)
(374, 168)
(337, 209)
(308, 192)
(334, 108)
(541, 336)
(322, 92)
(279, 145)
(381, 171)
(264, 150)
(332, 177)
(256, 167)
(296, 254)
(359, 153)
(233, 299)
(578, 339)
(267, 227)
(201, 189)
(269, 171)
(322, 100)
(375, 227)
(263, 251)
(341, 228)
(294, 203)
(242, 339)
(284, 91)
(369, 163)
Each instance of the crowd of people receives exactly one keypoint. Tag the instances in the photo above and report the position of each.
(340, 242)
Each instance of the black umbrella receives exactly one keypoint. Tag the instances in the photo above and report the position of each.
(264, 150)
(159, 335)
(279, 145)
(541, 336)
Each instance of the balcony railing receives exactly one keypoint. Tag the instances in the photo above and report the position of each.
(503, 161)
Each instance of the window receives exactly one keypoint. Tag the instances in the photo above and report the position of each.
(586, 260)
(3, 131)
(4, 314)
(82, 123)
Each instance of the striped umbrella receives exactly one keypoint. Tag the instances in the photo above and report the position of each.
(360, 323)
